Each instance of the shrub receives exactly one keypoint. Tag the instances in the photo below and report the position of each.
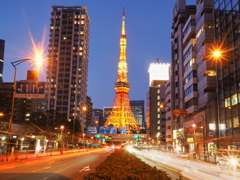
(122, 165)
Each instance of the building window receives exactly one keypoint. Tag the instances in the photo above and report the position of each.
(234, 99)
(229, 123)
(235, 122)
(158, 127)
(227, 102)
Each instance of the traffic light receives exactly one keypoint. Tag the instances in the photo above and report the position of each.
(137, 137)
(98, 136)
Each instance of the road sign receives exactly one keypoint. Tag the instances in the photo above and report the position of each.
(177, 112)
(92, 129)
(184, 112)
(108, 130)
(30, 89)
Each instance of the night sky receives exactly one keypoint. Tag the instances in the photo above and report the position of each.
(25, 24)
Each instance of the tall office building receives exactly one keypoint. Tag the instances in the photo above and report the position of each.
(2, 45)
(138, 112)
(227, 29)
(193, 82)
(67, 69)
(183, 79)
(155, 119)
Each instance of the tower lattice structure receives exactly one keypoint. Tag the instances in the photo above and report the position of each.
(121, 114)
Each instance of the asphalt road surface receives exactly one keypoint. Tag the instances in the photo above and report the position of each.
(64, 167)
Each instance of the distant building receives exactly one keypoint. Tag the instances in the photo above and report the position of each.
(2, 45)
(155, 120)
(67, 72)
(138, 112)
(6, 93)
(97, 117)
(88, 113)
(106, 112)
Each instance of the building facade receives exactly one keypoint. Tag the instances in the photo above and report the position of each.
(2, 45)
(227, 28)
(155, 118)
(182, 80)
(138, 112)
(67, 71)
(97, 117)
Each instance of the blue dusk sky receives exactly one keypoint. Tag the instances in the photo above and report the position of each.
(25, 24)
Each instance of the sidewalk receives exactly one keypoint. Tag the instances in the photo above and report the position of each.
(30, 154)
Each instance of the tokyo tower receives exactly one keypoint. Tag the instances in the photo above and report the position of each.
(121, 114)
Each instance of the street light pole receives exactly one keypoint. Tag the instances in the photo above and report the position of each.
(62, 128)
(73, 135)
(84, 141)
(14, 64)
(194, 127)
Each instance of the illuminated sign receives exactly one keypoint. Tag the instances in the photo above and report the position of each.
(158, 71)
(108, 130)
(222, 126)
(212, 126)
(92, 129)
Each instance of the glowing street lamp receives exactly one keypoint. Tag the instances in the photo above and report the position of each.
(84, 109)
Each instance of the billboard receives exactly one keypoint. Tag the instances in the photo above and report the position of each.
(108, 130)
(92, 129)
(30, 89)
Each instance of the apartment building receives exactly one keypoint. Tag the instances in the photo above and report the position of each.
(67, 70)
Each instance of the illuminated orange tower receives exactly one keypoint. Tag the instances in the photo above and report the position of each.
(121, 114)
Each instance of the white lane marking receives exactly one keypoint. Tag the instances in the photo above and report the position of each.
(86, 168)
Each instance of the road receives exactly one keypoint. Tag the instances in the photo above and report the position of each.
(63, 167)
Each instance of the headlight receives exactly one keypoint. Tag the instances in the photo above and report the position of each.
(233, 161)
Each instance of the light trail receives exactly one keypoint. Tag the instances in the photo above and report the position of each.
(188, 168)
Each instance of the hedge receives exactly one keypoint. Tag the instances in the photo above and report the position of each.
(122, 165)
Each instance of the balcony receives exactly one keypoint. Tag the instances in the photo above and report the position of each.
(207, 82)
(189, 35)
(206, 5)
(190, 96)
(190, 69)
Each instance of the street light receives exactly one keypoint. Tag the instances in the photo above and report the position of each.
(84, 109)
(84, 141)
(194, 127)
(14, 64)
(61, 128)
(158, 134)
